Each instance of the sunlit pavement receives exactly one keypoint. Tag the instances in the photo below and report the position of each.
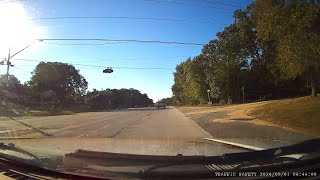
(134, 131)
(145, 123)
(126, 123)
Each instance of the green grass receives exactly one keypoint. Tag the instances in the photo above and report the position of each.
(302, 114)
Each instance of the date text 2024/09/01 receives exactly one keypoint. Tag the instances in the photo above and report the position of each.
(266, 174)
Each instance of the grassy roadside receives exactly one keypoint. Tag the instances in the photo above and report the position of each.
(301, 114)
(48, 113)
(200, 105)
(15, 110)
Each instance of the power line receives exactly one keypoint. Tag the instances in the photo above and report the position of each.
(218, 3)
(106, 60)
(30, 60)
(131, 59)
(121, 17)
(84, 44)
(22, 70)
(188, 4)
(122, 40)
(134, 59)
(98, 66)
(10, 1)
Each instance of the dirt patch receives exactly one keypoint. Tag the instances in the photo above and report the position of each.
(235, 115)
(222, 114)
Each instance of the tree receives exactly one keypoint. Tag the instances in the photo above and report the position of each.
(11, 83)
(64, 79)
(190, 85)
(291, 26)
(117, 98)
(11, 89)
(271, 48)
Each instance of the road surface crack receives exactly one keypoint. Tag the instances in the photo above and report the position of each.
(129, 125)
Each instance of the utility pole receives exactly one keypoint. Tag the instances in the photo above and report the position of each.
(209, 97)
(10, 56)
(242, 89)
(130, 99)
(8, 66)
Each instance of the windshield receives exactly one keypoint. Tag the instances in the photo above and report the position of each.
(158, 77)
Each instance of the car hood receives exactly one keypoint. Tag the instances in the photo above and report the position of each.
(166, 147)
(119, 155)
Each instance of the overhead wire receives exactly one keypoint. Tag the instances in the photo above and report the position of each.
(218, 3)
(121, 17)
(100, 66)
(122, 40)
(188, 4)
(22, 70)
(10, 1)
(113, 59)
(135, 59)
(84, 44)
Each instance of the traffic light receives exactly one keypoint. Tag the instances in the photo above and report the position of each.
(108, 70)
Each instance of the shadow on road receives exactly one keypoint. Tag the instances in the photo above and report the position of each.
(34, 128)
(242, 119)
(144, 109)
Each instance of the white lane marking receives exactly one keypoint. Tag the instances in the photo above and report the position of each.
(276, 140)
(235, 144)
(12, 130)
(62, 133)
(48, 118)
(118, 115)
(98, 129)
(75, 121)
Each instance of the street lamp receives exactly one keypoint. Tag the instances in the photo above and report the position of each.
(10, 56)
(209, 97)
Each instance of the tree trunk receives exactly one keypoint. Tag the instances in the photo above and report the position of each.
(313, 89)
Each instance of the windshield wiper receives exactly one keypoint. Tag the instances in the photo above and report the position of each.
(305, 147)
(246, 160)
(11, 147)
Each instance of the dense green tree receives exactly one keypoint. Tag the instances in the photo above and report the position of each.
(271, 49)
(11, 89)
(64, 79)
(190, 82)
(117, 98)
(291, 25)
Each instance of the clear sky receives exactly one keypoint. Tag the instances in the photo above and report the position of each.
(17, 31)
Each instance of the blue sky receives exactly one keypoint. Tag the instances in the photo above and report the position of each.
(156, 83)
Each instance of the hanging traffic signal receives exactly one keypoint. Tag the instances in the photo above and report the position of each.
(108, 70)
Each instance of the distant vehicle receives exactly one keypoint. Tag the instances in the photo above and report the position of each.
(161, 104)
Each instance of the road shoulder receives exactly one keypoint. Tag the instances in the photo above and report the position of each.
(232, 123)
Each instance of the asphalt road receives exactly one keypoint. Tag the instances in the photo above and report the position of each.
(130, 123)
